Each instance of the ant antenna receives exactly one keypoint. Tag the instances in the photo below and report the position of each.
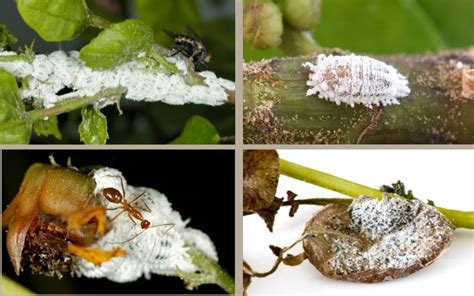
(170, 226)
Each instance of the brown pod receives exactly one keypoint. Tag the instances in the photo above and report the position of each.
(373, 241)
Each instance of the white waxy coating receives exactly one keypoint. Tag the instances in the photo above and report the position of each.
(47, 75)
(353, 79)
(160, 250)
(404, 233)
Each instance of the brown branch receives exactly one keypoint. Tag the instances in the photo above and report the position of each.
(277, 110)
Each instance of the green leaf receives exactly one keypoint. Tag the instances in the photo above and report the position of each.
(378, 27)
(93, 128)
(452, 19)
(168, 14)
(47, 127)
(198, 130)
(118, 44)
(54, 20)
(12, 129)
(6, 38)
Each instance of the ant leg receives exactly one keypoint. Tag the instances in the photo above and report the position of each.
(132, 238)
(131, 218)
(95, 255)
(147, 207)
(84, 216)
(141, 195)
(116, 216)
(136, 199)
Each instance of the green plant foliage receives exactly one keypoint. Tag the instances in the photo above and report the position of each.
(198, 130)
(453, 19)
(170, 15)
(93, 128)
(118, 44)
(6, 38)
(47, 127)
(379, 27)
(11, 107)
(54, 20)
(254, 54)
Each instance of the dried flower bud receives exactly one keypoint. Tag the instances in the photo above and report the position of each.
(353, 79)
(302, 14)
(263, 24)
(376, 240)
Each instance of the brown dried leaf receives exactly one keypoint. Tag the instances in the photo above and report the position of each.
(275, 250)
(268, 214)
(374, 241)
(294, 206)
(293, 260)
(261, 173)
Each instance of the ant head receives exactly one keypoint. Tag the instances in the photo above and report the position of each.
(112, 195)
(145, 224)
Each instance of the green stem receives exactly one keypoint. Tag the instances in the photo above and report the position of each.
(326, 180)
(63, 107)
(460, 219)
(98, 22)
(210, 273)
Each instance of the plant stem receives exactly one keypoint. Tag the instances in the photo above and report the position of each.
(98, 22)
(210, 273)
(460, 219)
(318, 201)
(278, 111)
(63, 107)
(326, 180)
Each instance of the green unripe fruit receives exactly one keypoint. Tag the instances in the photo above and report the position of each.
(263, 25)
(302, 15)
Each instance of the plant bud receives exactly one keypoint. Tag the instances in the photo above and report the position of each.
(263, 24)
(301, 14)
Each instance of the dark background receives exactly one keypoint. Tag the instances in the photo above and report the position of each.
(198, 183)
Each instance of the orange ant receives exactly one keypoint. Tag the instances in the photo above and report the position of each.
(115, 196)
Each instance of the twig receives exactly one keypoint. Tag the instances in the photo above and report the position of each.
(277, 110)
(210, 272)
(460, 219)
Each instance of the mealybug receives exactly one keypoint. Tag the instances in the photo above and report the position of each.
(353, 79)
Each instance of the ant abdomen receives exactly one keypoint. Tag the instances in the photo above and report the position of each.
(112, 195)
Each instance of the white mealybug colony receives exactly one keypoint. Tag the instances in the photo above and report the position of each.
(404, 233)
(158, 250)
(47, 75)
(353, 79)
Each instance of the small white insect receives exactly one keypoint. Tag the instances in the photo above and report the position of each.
(353, 79)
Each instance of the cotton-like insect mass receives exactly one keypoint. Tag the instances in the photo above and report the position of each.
(353, 79)
(160, 250)
(47, 75)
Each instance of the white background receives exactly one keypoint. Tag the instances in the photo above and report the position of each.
(444, 176)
